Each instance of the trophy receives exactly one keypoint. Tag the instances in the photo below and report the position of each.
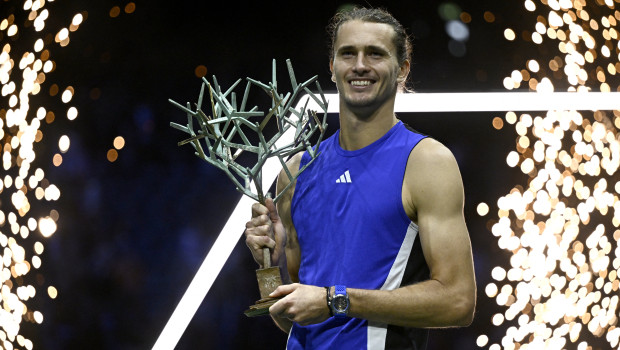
(228, 131)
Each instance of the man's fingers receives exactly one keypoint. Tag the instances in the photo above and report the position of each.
(284, 289)
(277, 309)
(281, 306)
(259, 209)
(259, 230)
(258, 242)
(259, 220)
(272, 210)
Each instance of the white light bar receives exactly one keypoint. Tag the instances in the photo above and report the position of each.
(414, 102)
(506, 101)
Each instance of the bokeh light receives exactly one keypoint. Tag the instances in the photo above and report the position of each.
(115, 11)
(119, 142)
(112, 155)
(200, 71)
(24, 187)
(130, 7)
(559, 288)
(489, 16)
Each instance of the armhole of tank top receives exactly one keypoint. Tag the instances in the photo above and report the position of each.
(402, 184)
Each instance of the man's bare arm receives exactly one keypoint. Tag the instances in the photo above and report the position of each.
(433, 194)
(293, 255)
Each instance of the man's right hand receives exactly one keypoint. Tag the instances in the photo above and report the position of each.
(265, 230)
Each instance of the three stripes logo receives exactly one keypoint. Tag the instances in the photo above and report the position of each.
(344, 178)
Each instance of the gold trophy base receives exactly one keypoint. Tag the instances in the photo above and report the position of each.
(268, 280)
(261, 307)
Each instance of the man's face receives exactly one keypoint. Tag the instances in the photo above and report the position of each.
(365, 65)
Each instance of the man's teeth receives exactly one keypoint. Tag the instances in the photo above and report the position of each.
(360, 82)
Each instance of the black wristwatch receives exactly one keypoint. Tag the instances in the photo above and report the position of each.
(339, 303)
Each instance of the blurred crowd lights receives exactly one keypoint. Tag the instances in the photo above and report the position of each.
(129, 8)
(25, 62)
(562, 227)
(117, 144)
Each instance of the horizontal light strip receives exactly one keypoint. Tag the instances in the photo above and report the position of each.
(496, 101)
(414, 102)
(506, 101)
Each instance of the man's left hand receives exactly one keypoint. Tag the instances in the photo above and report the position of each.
(300, 303)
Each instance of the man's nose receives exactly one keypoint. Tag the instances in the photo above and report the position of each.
(361, 63)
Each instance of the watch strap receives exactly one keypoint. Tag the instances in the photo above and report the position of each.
(340, 290)
(329, 301)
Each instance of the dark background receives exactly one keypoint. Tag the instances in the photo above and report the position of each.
(132, 233)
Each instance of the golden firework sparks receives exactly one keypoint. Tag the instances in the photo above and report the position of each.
(561, 228)
(25, 62)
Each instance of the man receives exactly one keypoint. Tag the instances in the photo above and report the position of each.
(371, 239)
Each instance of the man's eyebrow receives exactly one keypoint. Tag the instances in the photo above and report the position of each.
(346, 48)
(369, 47)
(377, 48)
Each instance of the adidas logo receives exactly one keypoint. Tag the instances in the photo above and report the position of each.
(344, 178)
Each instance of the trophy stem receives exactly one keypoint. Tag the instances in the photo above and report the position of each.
(266, 258)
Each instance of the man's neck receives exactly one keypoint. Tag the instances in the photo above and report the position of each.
(359, 129)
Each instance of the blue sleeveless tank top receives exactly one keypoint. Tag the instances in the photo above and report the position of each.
(353, 230)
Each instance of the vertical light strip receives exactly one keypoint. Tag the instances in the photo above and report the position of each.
(405, 103)
(208, 271)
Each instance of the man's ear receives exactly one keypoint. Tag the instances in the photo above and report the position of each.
(403, 71)
(331, 69)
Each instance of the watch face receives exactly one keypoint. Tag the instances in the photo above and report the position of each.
(340, 303)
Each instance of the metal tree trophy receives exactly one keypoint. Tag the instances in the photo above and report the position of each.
(226, 133)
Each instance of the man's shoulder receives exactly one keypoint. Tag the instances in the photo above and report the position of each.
(430, 150)
(294, 161)
(432, 175)
(292, 164)
(431, 159)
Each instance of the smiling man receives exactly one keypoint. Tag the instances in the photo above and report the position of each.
(371, 239)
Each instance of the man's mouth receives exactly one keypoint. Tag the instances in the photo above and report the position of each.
(361, 82)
